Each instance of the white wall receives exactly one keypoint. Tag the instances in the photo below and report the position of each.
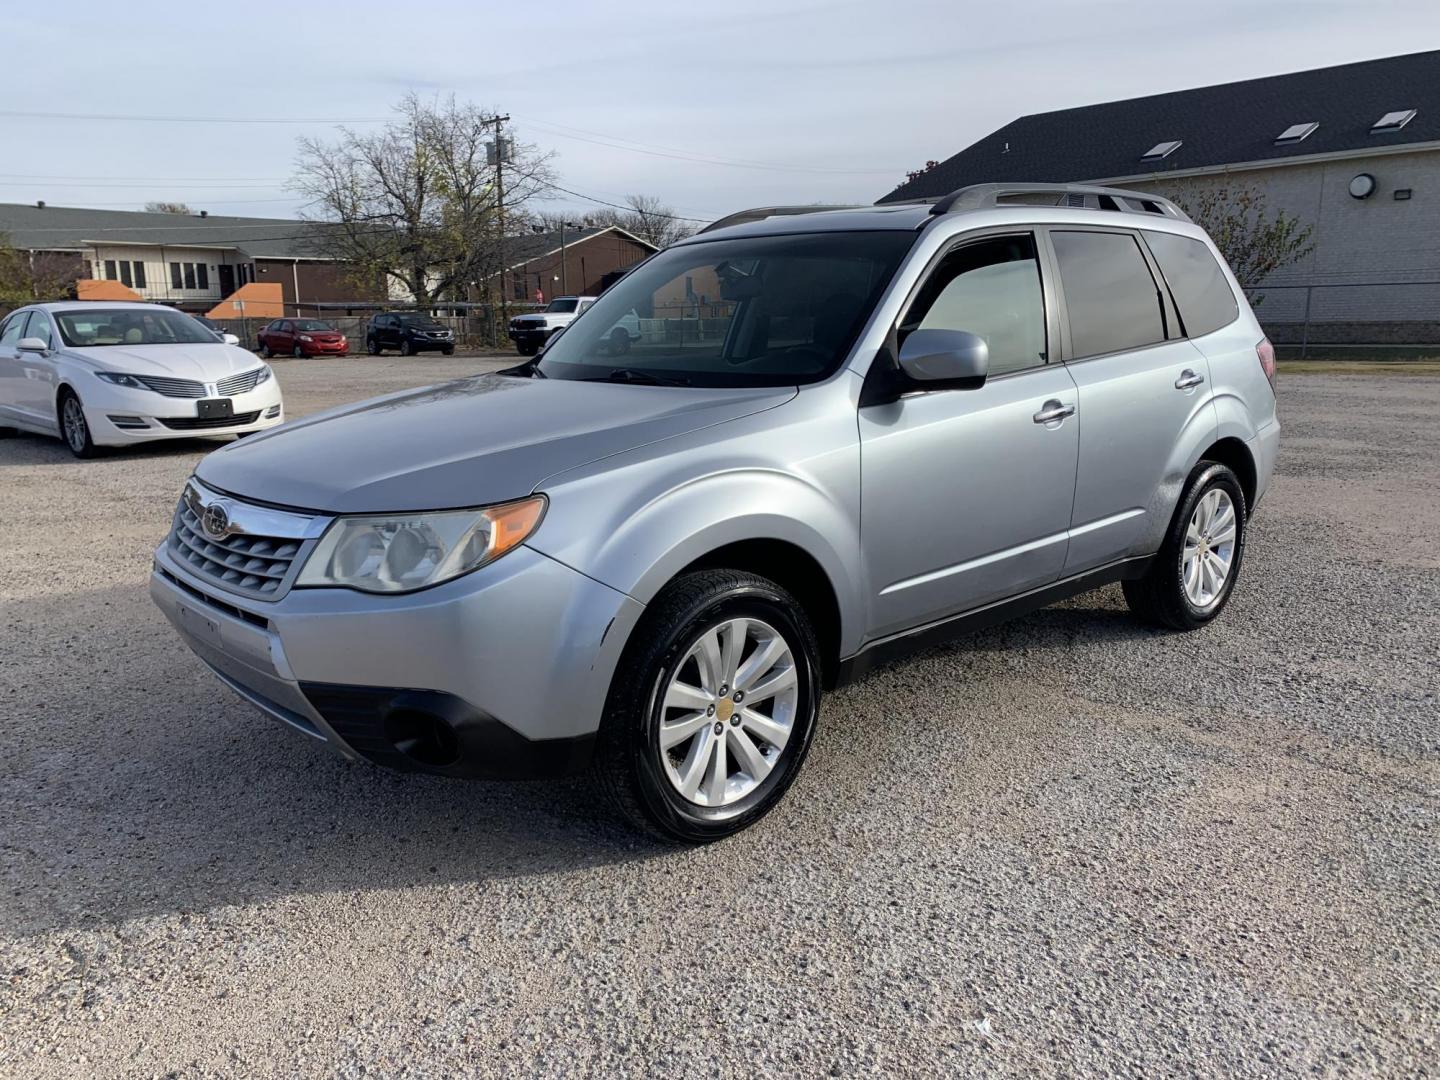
(157, 262)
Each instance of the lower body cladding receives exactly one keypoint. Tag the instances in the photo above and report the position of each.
(502, 673)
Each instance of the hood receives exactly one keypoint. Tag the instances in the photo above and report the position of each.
(201, 362)
(482, 440)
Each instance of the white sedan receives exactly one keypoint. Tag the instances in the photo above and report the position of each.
(115, 374)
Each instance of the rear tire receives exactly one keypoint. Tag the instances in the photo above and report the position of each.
(1191, 579)
(644, 778)
(74, 428)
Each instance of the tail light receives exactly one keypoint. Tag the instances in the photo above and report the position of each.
(1266, 352)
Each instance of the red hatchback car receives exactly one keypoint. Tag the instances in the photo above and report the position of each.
(301, 337)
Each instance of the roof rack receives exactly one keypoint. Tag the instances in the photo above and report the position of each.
(760, 213)
(1080, 196)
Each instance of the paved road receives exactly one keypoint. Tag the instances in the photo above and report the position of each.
(1068, 846)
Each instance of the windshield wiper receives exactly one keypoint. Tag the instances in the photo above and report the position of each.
(530, 369)
(638, 375)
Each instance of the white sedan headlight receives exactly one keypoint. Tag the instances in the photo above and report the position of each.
(402, 552)
(266, 373)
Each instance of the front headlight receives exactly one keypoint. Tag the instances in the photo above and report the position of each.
(121, 380)
(266, 372)
(306, 337)
(401, 552)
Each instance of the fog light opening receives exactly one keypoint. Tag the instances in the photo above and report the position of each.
(423, 737)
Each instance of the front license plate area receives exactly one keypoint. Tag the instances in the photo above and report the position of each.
(215, 408)
(200, 627)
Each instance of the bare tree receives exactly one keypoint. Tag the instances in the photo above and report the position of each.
(163, 207)
(648, 218)
(30, 276)
(417, 203)
(1255, 241)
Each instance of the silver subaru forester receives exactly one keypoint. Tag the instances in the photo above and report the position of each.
(843, 434)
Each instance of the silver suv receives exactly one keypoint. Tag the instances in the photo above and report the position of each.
(853, 433)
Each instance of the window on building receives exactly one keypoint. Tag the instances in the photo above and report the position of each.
(991, 288)
(139, 273)
(202, 275)
(1196, 282)
(125, 278)
(110, 272)
(175, 279)
(189, 269)
(1110, 295)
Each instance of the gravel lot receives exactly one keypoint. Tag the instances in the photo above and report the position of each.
(1067, 846)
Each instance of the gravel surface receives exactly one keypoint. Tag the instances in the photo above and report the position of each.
(1067, 846)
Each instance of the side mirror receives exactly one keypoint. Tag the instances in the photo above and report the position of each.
(946, 359)
(31, 344)
(230, 339)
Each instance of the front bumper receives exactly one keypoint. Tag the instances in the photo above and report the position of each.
(528, 335)
(119, 416)
(325, 348)
(513, 660)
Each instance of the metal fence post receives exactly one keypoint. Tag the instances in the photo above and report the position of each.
(1305, 326)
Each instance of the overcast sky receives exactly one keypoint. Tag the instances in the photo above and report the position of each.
(711, 107)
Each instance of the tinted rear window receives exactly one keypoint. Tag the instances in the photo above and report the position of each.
(1196, 282)
(1110, 294)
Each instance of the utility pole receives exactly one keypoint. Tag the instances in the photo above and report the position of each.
(501, 149)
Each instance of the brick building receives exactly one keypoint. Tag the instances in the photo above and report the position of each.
(534, 261)
(1352, 150)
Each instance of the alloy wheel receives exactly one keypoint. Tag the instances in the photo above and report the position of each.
(1209, 550)
(728, 712)
(73, 415)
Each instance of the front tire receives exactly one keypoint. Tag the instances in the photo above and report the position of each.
(265, 352)
(1195, 571)
(712, 708)
(449, 351)
(372, 347)
(406, 349)
(73, 426)
(298, 353)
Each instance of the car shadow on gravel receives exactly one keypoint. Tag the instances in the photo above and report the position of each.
(24, 448)
(133, 784)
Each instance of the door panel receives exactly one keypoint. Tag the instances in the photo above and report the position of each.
(11, 330)
(965, 498)
(1132, 418)
(35, 397)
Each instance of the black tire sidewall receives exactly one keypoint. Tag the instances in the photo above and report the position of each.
(1206, 476)
(88, 450)
(675, 815)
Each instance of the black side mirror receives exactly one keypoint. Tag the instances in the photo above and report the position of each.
(945, 359)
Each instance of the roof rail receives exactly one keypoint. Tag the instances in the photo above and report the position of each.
(760, 213)
(977, 196)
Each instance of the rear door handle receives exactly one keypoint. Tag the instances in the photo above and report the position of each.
(1188, 379)
(1052, 411)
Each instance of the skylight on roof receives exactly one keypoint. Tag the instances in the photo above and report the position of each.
(1393, 121)
(1160, 150)
(1296, 132)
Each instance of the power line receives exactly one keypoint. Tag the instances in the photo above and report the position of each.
(29, 115)
(628, 209)
(148, 179)
(616, 142)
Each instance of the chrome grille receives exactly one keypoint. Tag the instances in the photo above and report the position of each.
(187, 388)
(253, 556)
(239, 384)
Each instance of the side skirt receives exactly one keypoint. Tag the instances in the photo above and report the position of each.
(888, 649)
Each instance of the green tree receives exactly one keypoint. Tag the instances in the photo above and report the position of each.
(165, 207)
(1255, 240)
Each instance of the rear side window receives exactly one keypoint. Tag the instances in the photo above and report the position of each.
(1196, 282)
(1110, 295)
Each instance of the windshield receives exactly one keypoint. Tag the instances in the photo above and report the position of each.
(311, 324)
(92, 327)
(759, 311)
(562, 306)
(422, 321)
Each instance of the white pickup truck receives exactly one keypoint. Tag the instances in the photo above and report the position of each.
(530, 332)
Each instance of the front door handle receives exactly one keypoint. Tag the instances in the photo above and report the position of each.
(1188, 379)
(1052, 411)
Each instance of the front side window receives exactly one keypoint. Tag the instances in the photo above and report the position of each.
(991, 288)
(1196, 282)
(39, 328)
(10, 332)
(96, 327)
(753, 311)
(1111, 297)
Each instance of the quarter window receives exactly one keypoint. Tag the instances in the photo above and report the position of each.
(1111, 297)
(990, 288)
(1196, 282)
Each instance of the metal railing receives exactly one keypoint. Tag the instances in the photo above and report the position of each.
(1349, 314)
